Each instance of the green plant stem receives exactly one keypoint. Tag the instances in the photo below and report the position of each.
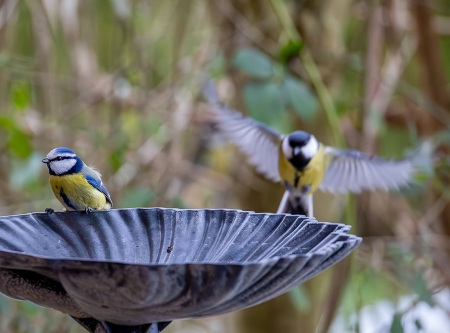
(311, 68)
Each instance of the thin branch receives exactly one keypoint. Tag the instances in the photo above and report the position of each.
(312, 70)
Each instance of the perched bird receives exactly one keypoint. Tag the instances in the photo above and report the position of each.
(303, 164)
(75, 185)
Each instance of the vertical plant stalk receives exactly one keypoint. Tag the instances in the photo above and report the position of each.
(341, 271)
(6, 10)
(434, 84)
(312, 70)
(430, 57)
(339, 280)
(372, 68)
(378, 105)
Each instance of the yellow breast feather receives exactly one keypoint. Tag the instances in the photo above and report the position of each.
(75, 193)
(308, 178)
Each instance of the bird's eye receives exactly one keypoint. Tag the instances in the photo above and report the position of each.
(59, 158)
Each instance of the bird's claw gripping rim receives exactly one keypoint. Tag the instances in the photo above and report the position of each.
(49, 210)
(88, 210)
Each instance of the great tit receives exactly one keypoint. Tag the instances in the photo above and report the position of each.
(75, 185)
(303, 164)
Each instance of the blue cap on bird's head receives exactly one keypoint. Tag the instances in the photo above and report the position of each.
(59, 152)
(63, 160)
(63, 150)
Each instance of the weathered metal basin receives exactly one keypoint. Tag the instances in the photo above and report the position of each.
(121, 270)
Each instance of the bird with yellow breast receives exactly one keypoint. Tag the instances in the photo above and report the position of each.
(75, 185)
(301, 163)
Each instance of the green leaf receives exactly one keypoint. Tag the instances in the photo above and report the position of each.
(137, 197)
(421, 177)
(177, 202)
(217, 66)
(29, 308)
(24, 172)
(116, 159)
(19, 144)
(254, 63)
(393, 142)
(421, 289)
(4, 59)
(17, 141)
(300, 299)
(300, 97)
(7, 124)
(264, 101)
(396, 326)
(290, 50)
(20, 94)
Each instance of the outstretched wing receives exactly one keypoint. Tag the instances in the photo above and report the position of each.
(258, 141)
(351, 170)
(93, 178)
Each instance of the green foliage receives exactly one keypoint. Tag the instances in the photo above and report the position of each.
(394, 142)
(300, 299)
(23, 172)
(396, 326)
(290, 50)
(178, 202)
(4, 59)
(254, 63)
(137, 197)
(20, 94)
(216, 67)
(300, 97)
(56, 76)
(264, 101)
(29, 308)
(116, 159)
(275, 91)
(17, 141)
(421, 289)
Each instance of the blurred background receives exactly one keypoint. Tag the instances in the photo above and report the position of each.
(118, 82)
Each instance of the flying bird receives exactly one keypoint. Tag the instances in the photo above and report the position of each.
(303, 164)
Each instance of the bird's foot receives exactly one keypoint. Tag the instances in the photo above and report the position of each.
(305, 189)
(49, 210)
(88, 210)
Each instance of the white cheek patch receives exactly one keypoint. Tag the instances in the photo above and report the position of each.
(60, 167)
(311, 148)
(287, 149)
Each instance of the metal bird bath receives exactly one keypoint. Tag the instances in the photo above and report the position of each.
(135, 270)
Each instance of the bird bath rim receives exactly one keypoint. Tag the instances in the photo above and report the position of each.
(248, 258)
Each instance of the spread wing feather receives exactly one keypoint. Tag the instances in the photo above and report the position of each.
(351, 170)
(258, 141)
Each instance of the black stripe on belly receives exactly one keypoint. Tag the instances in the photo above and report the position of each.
(296, 179)
(66, 199)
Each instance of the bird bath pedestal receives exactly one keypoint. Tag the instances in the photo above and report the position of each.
(136, 270)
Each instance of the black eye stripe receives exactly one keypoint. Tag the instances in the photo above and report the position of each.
(62, 158)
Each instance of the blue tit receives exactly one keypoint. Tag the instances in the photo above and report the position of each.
(301, 163)
(75, 185)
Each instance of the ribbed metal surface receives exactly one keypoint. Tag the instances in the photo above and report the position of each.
(115, 265)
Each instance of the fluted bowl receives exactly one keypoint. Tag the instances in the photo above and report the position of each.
(138, 266)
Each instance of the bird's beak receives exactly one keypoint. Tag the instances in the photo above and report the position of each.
(297, 150)
(45, 160)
